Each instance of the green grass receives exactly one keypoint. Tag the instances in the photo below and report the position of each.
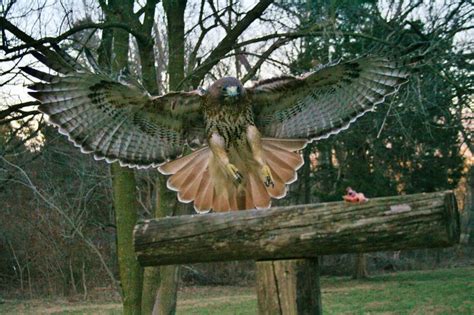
(448, 291)
(217, 300)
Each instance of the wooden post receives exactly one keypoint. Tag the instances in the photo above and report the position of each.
(286, 241)
(288, 287)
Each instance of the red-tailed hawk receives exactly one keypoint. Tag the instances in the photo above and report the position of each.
(246, 139)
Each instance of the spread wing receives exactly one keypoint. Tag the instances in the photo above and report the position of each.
(115, 121)
(326, 101)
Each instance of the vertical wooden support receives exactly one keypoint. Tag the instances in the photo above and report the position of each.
(287, 287)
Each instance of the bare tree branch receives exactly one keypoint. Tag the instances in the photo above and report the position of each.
(228, 42)
(32, 43)
(264, 57)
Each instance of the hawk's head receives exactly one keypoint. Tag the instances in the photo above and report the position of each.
(227, 90)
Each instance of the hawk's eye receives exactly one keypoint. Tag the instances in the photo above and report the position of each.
(238, 89)
(223, 88)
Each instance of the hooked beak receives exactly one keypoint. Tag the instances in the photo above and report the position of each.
(232, 93)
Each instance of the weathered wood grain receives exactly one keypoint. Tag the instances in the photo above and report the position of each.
(287, 287)
(303, 231)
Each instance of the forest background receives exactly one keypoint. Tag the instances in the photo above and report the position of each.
(58, 215)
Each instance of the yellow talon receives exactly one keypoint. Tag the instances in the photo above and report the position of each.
(234, 172)
(267, 176)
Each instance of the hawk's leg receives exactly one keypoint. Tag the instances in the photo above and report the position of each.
(255, 141)
(217, 145)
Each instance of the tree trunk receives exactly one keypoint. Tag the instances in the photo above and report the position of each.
(175, 16)
(400, 222)
(123, 182)
(469, 205)
(151, 276)
(165, 302)
(360, 266)
(166, 290)
(125, 203)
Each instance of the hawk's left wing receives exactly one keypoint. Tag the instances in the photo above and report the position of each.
(116, 121)
(326, 101)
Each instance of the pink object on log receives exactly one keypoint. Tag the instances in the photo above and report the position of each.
(354, 196)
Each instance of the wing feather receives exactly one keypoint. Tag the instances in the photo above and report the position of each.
(115, 121)
(326, 101)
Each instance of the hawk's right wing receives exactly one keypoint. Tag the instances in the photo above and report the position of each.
(324, 102)
(115, 121)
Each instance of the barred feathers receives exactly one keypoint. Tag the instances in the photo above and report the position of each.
(201, 179)
(107, 118)
(324, 102)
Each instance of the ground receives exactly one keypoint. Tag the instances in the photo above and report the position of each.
(445, 291)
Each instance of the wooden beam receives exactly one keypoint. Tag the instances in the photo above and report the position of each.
(303, 231)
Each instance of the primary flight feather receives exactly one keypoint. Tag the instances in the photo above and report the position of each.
(247, 139)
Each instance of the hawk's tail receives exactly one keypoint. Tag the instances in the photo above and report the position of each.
(199, 177)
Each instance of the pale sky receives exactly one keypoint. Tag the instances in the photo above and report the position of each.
(57, 16)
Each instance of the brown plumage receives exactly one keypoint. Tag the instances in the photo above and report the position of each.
(247, 140)
(199, 176)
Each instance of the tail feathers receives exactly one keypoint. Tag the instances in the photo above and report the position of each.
(199, 177)
(278, 189)
(190, 189)
(291, 145)
(174, 166)
(282, 161)
(189, 174)
(260, 197)
(224, 201)
(205, 197)
(249, 204)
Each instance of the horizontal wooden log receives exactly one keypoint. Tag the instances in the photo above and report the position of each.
(303, 231)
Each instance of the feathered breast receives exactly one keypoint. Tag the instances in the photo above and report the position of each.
(229, 121)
